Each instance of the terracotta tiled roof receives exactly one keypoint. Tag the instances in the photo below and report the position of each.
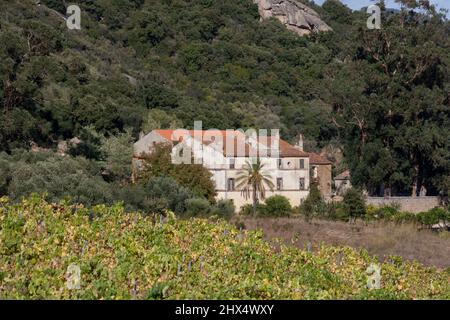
(168, 134)
(343, 176)
(288, 150)
(315, 158)
(208, 137)
(285, 149)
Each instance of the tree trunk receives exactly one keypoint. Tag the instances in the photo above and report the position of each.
(415, 181)
(255, 201)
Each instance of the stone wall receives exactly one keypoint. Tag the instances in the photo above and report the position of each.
(325, 180)
(410, 204)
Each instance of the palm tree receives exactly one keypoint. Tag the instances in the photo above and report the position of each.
(252, 180)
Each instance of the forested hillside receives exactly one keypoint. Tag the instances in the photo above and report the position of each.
(382, 96)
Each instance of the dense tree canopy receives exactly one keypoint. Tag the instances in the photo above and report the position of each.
(391, 103)
(382, 96)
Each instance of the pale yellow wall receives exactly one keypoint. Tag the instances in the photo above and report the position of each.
(295, 197)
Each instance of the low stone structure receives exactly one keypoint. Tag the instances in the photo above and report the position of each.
(409, 204)
(342, 183)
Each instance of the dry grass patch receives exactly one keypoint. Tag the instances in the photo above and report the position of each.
(379, 238)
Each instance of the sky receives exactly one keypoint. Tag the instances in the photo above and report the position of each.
(358, 4)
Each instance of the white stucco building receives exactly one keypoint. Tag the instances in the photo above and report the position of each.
(224, 153)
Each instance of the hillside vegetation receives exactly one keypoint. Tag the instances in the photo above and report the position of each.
(126, 255)
(380, 96)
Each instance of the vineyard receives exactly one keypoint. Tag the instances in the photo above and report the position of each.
(131, 256)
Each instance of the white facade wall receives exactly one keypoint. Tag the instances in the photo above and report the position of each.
(144, 144)
(295, 197)
(290, 172)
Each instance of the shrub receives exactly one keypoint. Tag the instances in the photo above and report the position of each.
(194, 177)
(224, 208)
(354, 203)
(384, 212)
(117, 151)
(247, 209)
(198, 207)
(167, 189)
(313, 205)
(433, 216)
(59, 177)
(402, 217)
(277, 206)
(336, 211)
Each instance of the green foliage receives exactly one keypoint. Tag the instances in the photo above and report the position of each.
(59, 177)
(131, 56)
(224, 208)
(382, 96)
(89, 146)
(162, 193)
(198, 207)
(117, 151)
(354, 203)
(253, 180)
(434, 216)
(336, 211)
(159, 119)
(130, 256)
(277, 206)
(247, 210)
(195, 177)
(389, 99)
(313, 205)
(392, 213)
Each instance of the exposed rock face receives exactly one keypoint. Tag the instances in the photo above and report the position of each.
(295, 15)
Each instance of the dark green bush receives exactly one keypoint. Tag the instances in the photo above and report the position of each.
(277, 206)
(336, 211)
(198, 207)
(77, 179)
(433, 216)
(247, 210)
(224, 208)
(354, 203)
(402, 217)
(313, 205)
(170, 191)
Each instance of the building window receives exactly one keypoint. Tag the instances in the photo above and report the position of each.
(279, 183)
(230, 184)
(232, 163)
(302, 163)
(279, 163)
(302, 184)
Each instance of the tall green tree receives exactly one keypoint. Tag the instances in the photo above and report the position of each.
(195, 177)
(391, 102)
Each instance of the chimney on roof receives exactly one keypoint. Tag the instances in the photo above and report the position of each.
(299, 144)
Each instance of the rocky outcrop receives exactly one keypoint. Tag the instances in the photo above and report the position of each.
(295, 15)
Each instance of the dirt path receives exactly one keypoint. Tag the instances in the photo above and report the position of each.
(379, 238)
